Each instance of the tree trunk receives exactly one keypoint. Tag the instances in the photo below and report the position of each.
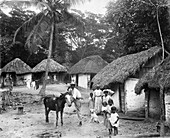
(42, 91)
(160, 33)
(162, 117)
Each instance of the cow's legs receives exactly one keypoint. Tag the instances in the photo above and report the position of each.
(61, 114)
(56, 118)
(46, 113)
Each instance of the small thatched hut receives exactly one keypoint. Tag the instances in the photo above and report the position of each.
(57, 72)
(19, 71)
(84, 70)
(122, 74)
(151, 82)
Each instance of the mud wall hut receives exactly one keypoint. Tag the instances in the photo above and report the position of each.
(151, 82)
(57, 72)
(84, 70)
(18, 70)
(122, 74)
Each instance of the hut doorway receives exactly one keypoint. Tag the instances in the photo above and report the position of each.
(77, 79)
(133, 102)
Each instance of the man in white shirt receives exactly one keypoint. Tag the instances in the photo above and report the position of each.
(77, 97)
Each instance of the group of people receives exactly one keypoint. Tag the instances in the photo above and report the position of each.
(101, 103)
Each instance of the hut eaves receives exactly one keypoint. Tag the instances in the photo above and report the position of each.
(120, 69)
(53, 67)
(91, 64)
(160, 74)
(17, 66)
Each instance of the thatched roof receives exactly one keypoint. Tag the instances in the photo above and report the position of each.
(91, 64)
(120, 69)
(17, 66)
(160, 74)
(54, 66)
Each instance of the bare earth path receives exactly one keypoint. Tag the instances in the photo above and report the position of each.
(32, 123)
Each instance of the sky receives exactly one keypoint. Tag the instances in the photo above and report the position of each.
(94, 6)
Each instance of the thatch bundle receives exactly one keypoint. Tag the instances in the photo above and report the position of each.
(120, 69)
(91, 64)
(159, 75)
(53, 67)
(17, 66)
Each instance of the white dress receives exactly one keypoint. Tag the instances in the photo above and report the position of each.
(113, 118)
(98, 101)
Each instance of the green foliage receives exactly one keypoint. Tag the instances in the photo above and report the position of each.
(93, 41)
(135, 21)
(8, 26)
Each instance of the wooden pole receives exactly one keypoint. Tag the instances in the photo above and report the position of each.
(146, 104)
(162, 117)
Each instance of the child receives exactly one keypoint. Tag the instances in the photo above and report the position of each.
(105, 112)
(91, 101)
(110, 104)
(114, 121)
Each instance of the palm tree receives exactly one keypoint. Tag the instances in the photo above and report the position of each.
(53, 15)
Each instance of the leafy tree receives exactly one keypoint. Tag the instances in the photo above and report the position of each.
(95, 36)
(8, 26)
(136, 22)
(46, 23)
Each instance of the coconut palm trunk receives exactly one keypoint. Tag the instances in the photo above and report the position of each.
(42, 91)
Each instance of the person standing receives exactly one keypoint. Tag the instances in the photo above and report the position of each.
(91, 102)
(77, 101)
(106, 96)
(114, 121)
(98, 100)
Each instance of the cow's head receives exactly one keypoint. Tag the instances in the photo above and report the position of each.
(68, 98)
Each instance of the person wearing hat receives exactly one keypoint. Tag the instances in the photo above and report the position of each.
(106, 96)
(98, 99)
(77, 100)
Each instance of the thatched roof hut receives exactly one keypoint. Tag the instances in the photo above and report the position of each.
(120, 69)
(54, 66)
(17, 66)
(91, 64)
(160, 74)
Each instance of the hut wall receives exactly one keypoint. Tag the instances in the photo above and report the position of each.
(28, 76)
(167, 106)
(83, 80)
(154, 104)
(20, 79)
(134, 103)
(58, 77)
(73, 78)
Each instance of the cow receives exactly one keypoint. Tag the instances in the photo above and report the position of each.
(57, 104)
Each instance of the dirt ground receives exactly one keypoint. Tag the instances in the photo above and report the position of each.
(32, 123)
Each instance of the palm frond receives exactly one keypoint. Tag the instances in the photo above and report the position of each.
(27, 26)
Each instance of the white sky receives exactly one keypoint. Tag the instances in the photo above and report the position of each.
(94, 6)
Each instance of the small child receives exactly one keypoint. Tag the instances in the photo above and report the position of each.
(114, 121)
(104, 107)
(105, 112)
(91, 101)
(110, 105)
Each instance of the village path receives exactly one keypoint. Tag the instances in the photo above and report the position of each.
(32, 123)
